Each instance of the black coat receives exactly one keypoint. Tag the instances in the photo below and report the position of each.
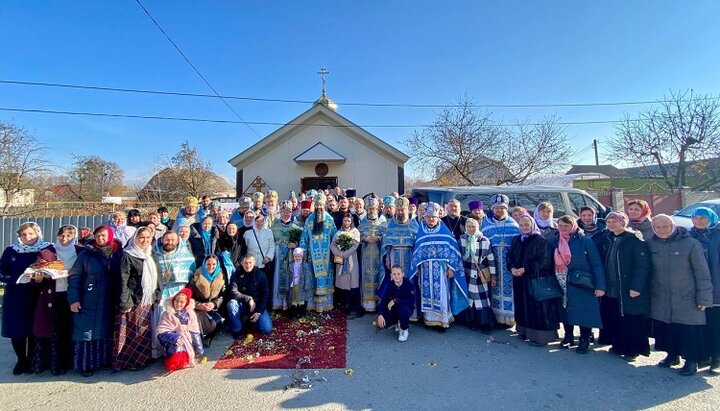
(235, 245)
(92, 283)
(130, 286)
(19, 300)
(197, 243)
(245, 285)
(456, 225)
(338, 216)
(632, 262)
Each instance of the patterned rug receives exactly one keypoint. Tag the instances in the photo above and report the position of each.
(317, 340)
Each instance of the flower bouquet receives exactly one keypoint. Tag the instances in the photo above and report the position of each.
(344, 242)
(294, 235)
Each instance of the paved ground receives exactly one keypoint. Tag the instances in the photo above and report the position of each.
(459, 369)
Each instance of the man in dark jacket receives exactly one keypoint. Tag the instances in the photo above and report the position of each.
(247, 298)
(453, 220)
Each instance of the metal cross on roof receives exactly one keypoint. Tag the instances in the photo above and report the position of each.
(323, 73)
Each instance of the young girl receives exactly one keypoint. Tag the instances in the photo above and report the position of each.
(300, 287)
(179, 333)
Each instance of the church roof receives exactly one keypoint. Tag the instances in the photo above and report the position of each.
(318, 111)
(319, 152)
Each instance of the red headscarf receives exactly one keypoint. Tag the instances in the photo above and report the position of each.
(646, 211)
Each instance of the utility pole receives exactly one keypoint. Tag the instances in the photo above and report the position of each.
(595, 147)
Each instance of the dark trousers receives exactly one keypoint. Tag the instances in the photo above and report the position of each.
(269, 271)
(585, 332)
(398, 313)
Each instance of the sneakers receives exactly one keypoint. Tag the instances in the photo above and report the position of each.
(403, 335)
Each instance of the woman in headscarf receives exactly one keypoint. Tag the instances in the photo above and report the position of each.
(589, 222)
(53, 322)
(543, 216)
(90, 282)
(139, 292)
(576, 257)
(681, 290)
(203, 239)
(707, 231)
(19, 300)
(536, 321)
(639, 213)
(121, 231)
(517, 212)
(208, 290)
(479, 263)
(261, 244)
(626, 303)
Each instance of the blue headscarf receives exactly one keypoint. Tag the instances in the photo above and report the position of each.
(211, 276)
(706, 212)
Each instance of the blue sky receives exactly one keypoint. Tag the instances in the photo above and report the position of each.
(420, 52)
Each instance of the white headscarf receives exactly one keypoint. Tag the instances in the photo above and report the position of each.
(35, 247)
(149, 273)
(67, 253)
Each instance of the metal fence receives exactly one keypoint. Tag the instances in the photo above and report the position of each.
(48, 225)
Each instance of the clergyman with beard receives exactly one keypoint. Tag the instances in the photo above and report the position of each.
(317, 234)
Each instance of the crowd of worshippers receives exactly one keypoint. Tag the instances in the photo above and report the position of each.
(141, 288)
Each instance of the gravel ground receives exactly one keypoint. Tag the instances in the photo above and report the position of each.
(459, 369)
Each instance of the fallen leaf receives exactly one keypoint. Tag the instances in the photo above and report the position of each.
(432, 364)
(248, 339)
(228, 352)
(349, 372)
(204, 360)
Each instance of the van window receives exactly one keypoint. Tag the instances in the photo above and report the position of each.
(465, 199)
(530, 200)
(577, 201)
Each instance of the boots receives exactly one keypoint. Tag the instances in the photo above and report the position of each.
(670, 360)
(584, 345)
(690, 368)
(568, 341)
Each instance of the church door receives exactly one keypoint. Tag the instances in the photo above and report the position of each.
(318, 183)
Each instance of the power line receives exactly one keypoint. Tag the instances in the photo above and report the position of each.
(270, 123)
(193, 67)
(358, 104)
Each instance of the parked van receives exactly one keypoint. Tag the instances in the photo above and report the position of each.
(564, 200)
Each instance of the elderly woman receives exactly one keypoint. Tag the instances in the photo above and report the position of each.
(140, 291)
(626, 303)
(347, 267)
(19, 300)
(479, 264)
(223, 218)
(543, 216)
(707, 231)
(517, 212)
(579, 270)
(681, 290)
(91, 279)
(536, 321)
(261, 244)
(203, 239)
(52, 323)
(639, 213)
(121, 231)
(589, 222)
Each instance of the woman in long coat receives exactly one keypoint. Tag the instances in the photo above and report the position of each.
(53, 321)
(681, 290)
(347, 273)
(626, 302)
(90, 287)
(707, 231)
(536, 321)
(577, 253)
(19, 300)
(477, 258)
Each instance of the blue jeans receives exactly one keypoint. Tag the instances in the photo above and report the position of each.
(238, 313)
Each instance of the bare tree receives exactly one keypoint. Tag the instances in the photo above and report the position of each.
(185, 173)
(21, 158)
(466, 147)
(684, 126)
(91, 177)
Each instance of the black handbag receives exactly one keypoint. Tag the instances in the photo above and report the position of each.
(582, 279)
(545, 288)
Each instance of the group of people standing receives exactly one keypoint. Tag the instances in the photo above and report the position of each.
(140, 289)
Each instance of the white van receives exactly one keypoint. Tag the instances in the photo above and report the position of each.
(564, 200)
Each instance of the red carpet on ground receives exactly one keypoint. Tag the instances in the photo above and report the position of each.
(314, 341)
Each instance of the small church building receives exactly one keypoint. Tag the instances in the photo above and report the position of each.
(320, 149)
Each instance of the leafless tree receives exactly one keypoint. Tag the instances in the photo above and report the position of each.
(91, 177)
(466, 147)
(684, 126)
(21, 158)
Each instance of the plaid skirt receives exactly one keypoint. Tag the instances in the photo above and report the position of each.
(133, 347)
